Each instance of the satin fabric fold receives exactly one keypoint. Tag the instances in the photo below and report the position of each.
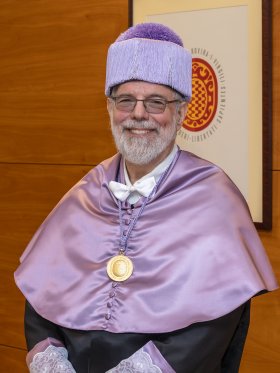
(195, 250)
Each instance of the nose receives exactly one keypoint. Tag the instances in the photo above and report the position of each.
(139, 112)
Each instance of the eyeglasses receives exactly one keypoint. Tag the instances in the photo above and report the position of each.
(151, 105)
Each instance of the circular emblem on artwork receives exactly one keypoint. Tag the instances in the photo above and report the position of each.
(204, 103)
(205, 115)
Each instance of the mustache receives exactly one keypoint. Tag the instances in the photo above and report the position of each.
(142, 124)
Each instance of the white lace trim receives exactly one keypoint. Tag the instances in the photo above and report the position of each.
(140, 362)
(52, 360)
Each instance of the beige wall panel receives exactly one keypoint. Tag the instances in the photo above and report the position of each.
(276, 84)
(12, 360)
(52, 73)
(28, 193)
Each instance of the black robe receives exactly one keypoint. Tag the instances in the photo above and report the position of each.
(208, 347)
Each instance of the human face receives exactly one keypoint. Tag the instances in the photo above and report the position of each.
(141, 137)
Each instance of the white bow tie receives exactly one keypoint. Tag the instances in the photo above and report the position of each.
(122, 191)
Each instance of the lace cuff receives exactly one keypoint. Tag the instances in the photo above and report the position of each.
(49, 356)
(147, 359)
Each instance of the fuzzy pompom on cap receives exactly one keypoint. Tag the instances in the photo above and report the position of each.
(154, 31)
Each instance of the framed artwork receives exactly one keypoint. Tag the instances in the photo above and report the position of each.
(229, 119)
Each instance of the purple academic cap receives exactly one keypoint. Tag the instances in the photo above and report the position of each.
(150, 52)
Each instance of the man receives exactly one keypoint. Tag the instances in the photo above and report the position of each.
(149, 263)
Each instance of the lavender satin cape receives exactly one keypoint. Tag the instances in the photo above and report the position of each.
(195, 250)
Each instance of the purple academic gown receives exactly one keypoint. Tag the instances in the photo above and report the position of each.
(197, 260)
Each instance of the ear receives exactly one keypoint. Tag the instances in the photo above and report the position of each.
(181, 114)
(109, 105)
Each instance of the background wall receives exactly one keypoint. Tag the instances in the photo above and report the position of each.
(54, 128)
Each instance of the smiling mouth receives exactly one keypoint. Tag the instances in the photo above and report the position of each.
(140, 131)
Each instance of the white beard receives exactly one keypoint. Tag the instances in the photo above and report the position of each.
(141, 150)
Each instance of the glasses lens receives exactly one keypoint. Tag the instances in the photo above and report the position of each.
(125, 103)
(155, 106)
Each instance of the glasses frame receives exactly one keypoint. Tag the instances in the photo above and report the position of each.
(148, 110)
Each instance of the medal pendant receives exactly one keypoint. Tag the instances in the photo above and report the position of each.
(119, 268)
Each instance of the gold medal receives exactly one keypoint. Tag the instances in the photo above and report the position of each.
(119, 268)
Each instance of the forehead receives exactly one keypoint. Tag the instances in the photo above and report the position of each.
(144, 89)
